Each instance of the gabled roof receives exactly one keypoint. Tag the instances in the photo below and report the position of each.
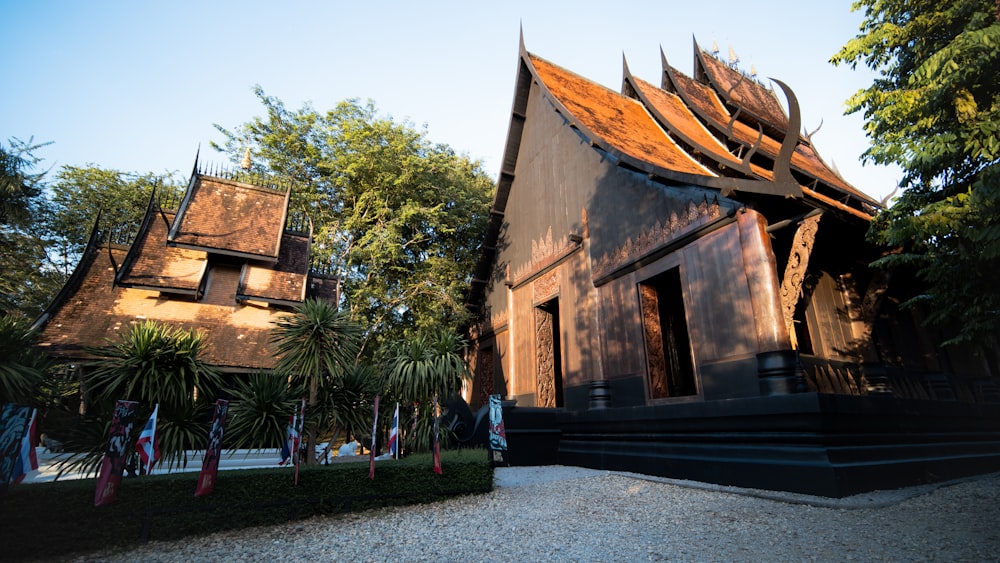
(739, 90)
(283, 282)
(223, 216)
(619, 123)
(151, 264)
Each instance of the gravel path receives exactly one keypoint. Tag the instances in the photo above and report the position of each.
(571, 514)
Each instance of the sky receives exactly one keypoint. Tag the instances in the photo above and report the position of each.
(139, 86)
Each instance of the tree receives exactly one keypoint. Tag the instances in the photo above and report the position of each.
(78, 195)
(935, 111)
(27, 279)
(399, 218)
(315, 344)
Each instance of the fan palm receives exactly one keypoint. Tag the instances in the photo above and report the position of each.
(314, 343)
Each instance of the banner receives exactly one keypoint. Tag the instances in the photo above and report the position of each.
(498, 434)
(110, 477)
(437, 440)
(16, 422)
(297, 454)
(371, 455)
(210, 463)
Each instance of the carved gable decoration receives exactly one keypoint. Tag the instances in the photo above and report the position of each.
(659, 235)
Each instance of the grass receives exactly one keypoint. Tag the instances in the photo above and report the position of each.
(50, 520)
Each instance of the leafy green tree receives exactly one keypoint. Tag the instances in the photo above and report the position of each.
(424, 367)
(398, 217)
(315, 344)
(934, 110)
(27, 278)
(78, 195)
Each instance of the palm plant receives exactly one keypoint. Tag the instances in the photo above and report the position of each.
(422, 368)
(153, 363)
(315, 343)
(260, 409)
(21, 366)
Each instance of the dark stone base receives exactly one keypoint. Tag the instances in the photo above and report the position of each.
(827, 445)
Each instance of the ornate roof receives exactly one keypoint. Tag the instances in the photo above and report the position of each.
(720, 129)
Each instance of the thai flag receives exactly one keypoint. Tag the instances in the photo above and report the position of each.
(291, 443)
(26, 460)
(394, 434)
(147, 445)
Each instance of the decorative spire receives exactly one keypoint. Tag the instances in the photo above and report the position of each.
(733, 59)
(715, 48)
(245, 163)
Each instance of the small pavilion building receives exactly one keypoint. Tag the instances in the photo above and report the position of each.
(223, 260)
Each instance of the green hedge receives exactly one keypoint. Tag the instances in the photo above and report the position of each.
(55, 519)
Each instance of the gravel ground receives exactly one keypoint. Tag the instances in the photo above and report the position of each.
(572, 514)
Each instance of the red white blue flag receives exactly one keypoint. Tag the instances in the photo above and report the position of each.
(26, 461)
(147, 445)
(394, 434)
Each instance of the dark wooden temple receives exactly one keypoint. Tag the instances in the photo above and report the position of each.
(675, 283)
(223, 260)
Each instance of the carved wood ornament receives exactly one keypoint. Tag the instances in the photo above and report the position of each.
(795, 271)
(545, 370)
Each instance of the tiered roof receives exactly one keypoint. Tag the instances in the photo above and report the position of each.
(223, 263)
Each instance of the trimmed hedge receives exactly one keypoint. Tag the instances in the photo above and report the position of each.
(56, 519)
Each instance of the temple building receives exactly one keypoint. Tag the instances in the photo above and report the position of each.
(223, 260)
(674, 282)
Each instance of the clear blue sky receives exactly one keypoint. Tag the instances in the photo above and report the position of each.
(137, 86)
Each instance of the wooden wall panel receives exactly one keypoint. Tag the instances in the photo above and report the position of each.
(622, 348)
(522, 327)
(720, 315)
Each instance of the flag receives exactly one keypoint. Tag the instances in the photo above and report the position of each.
(437, 441)
(147, 445)
(110, 476)
(26, 461)
(210, 463)
(371, 455)
(291, 443)
(394, 434)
